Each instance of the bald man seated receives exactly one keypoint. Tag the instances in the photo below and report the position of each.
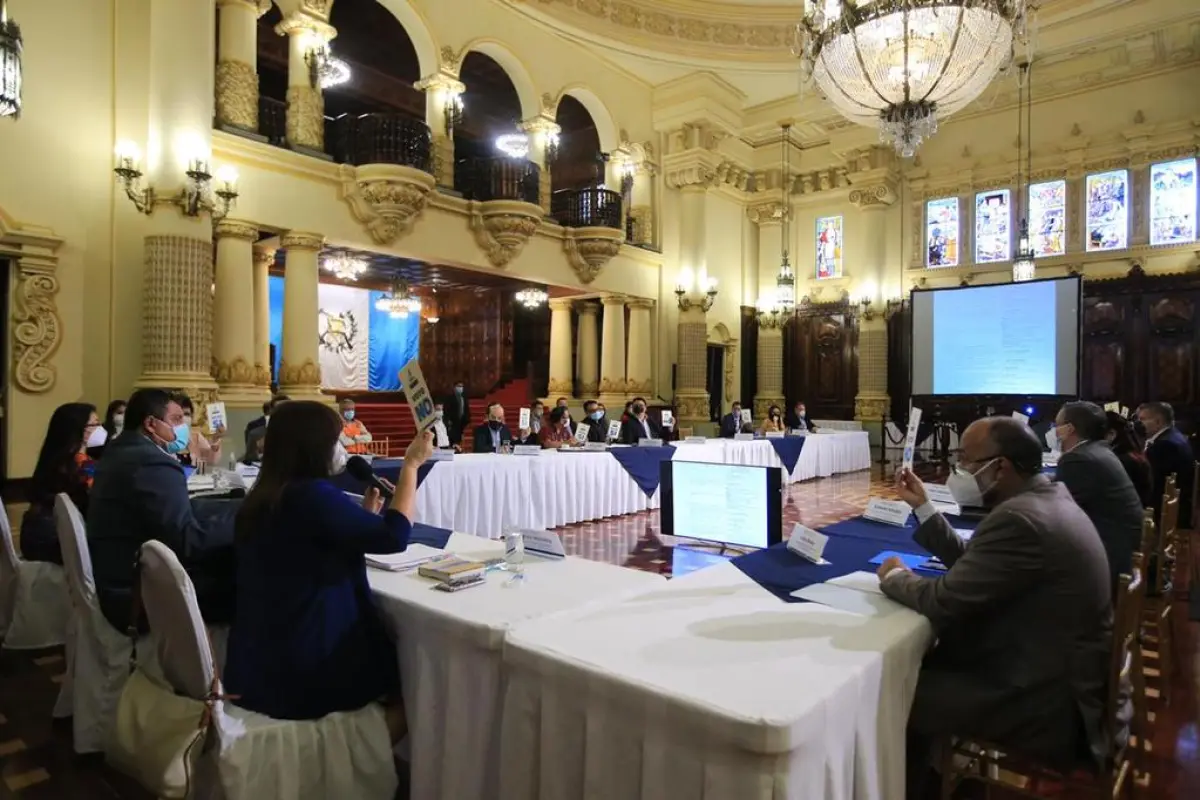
(1023, 614)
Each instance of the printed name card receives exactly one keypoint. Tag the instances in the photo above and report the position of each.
(1114, 406)
(416, 392)
(942, 499)
(890, 512)
(523, 421)
(695, 440)
(776, 434)
(910, 440)
(743, 437)
(614, 430)
(649, 442)
(668, 419)
(441, 455)
(581, 433)
(808, 544)
(216, 417)
(1017, 415)
(527, 450)
(746, 417)
(594, 447)
(543, 543)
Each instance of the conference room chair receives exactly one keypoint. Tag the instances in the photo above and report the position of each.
(34, 606)
(243, 755)
(1188, 573)
(985, 762)
(378, 447)
(1157, 622)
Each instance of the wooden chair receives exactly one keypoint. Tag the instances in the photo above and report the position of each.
(378, 447)
(1160, 595)
(1187, 573)
(986, 762)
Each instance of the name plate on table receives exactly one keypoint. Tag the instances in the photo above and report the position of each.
(797, 432)
(543, 543)
(527, 450)
(776, 434)
(441, 455)
(695, 440)
(891, 512)
(942, 499)
(649, 442)
(743, 437)
(808, 544)
(595, 447)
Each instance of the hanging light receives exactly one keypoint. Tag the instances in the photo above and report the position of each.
(902, 64)
(345, 267)
(513, 145)
(334, 73)
(1024, 268)
(785, 282)
(532, 297)
(10, 65)
(400, 303)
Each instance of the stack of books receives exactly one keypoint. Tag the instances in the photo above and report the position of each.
(453, 573)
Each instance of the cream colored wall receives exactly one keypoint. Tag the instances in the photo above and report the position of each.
(723, 246)
(55, 165)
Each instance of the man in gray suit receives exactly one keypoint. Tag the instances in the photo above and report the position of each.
(1023, 614)
(1100, 485)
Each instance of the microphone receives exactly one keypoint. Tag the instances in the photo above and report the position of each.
(360, 469)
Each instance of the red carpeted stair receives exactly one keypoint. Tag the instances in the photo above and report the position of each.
(393, 420)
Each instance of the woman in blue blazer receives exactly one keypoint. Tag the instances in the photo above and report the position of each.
(307, 639)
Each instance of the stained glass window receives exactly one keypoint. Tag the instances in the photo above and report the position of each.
(1108, 210)
(993, 238)
(1173, 202)
(941, 232)
(829, 247)
(1048, 218)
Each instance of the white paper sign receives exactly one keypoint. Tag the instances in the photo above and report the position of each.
(527, 450)
(614, 430)
(595, 447)
(942, 499)
(416, 392)
(746, 416)
(216, 417)
(891, 512)
(649, 442)
(910, 441)
(776, 434)
(695, 440)
(441, 455)
(1124, 412)
(523, 420)
(668, 419)
(743, 437)
(808, 544)
(581, 432)
(1052, 439)
(543, 543)
(1017, 415)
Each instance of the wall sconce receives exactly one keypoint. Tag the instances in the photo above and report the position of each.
(196, 195)
(317, 57)
(549, 139)
(864, 304)
(685, 302)
(10, 65)
(452, 109)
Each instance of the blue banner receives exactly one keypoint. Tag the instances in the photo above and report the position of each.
(392, 343)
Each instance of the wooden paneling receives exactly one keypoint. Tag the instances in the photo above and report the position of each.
(472, 342)
(820, 360)
(899, 381)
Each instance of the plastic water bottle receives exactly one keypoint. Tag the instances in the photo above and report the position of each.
(514, 554)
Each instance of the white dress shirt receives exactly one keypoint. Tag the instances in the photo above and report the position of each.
(441, 438)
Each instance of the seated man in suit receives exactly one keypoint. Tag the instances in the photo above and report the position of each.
(1022, 616)
(259, 424)
(1094, 476)
(354, 437)
(140, 493)
(597, 422)
(732, 422)
(1170, 454)
(639, 425)
(797, 418)
(493, 435)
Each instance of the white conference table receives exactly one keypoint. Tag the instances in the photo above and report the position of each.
(710, 687)
(824, 454)
(451, 668)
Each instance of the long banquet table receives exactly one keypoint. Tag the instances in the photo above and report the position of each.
(824, 454)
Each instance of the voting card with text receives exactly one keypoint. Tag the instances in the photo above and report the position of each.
(216, 417)
(523, 421)
(581, 432)
(614, 430)
(416, 392)
(910, 440)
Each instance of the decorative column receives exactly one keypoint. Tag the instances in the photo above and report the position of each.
(263, 259)
(873, 200)
(588, 346)
(637, 367)
(560, 349)
(300, 366)
(233, 314)
(543, 133)
(612, 352)
(770, 364)
(237, 63)
(305, 103)
(691, 368)
(443, 107)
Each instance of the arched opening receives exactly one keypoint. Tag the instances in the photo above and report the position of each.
(491, 110)
(579, 197)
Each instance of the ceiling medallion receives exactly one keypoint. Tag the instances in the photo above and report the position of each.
(900, 65)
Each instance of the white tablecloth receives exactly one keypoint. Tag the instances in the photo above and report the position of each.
(450, 656)
(710, 688)
(824, 454)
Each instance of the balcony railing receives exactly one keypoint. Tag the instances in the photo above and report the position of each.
(272, 120)
(486, 179)
(586, 208)
(382, 139)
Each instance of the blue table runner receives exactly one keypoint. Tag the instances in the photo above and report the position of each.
(643, 464)
(788, 449)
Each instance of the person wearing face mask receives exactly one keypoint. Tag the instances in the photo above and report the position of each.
(1095, 478)
(140, 493)
(1169, 454)
(258, 425)
(441, 437)
(1022, 616)
(492, 435)
(457, 413)
(774, 421)
(354, 437)
(639, 425)
(537, 420)
(200, 449)
(732, 424)
(798, 420)
(563, 404)
(63, 466)
(114, 420)
(596, 421)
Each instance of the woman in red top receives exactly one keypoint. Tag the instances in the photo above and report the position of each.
(63, 466)
(556, 434)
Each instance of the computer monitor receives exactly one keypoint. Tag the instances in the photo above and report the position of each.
(730, 504)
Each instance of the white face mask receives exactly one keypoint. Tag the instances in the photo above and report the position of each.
(97, 437)
(964, 486)
(118, 422)
(337, 463)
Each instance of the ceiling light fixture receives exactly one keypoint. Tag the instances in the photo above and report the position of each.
(335, 73)
(10, 65)
(902, 64)
(344, 266)
(400, 303)
(1024, 268)
(513, 145)
(532, 297)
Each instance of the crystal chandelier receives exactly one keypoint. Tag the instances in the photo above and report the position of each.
(1023, 268)
(532, 297)
(10, 65)
(902, 64)
(785, 282)
(400, 303)
(345, 267)
(335, 73)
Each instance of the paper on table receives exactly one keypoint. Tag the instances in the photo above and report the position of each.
(862, 581)
(848, 600)
(413, 557)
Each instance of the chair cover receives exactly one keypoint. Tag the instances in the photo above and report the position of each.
(97, 654)
(34, 606)
(340, 755)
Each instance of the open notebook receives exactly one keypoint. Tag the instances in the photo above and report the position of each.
(413, 557)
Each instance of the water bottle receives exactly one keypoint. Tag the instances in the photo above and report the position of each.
(514, 554)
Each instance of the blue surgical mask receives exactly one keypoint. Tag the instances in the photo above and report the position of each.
(597, 415)
(348, 414)
(458, 389)
(183, 434)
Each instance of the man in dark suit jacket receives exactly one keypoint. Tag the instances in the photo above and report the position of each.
(1094, 476)
(1169, 453)
(596, 421)
(457, 413)
(140, 493)
(256, 428)
(1023, 615)
(639, 425)
(797, 418)
(732, 423)
(493, 434)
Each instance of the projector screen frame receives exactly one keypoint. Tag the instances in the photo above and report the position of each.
(990, 399)
(774, 480)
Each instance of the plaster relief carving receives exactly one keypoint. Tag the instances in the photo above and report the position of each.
(237, 94)
(879, 196)
(386, 198)
(589, 249)
(237, 372)
(305, 117)
(37, 330)
(503, 227)
(304, 374)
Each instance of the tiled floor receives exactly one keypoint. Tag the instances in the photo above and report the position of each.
(36, 761)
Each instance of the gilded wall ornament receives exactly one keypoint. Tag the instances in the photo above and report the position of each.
(386, 198)
(262, 375)
(37, 331)
(503, 227)
(612, 385)
(589, 249)
(237, 94)
(305, 117)
(560, 386)
(237, 372)
(305, 374)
